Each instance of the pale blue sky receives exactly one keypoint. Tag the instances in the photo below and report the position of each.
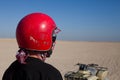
(83, 20)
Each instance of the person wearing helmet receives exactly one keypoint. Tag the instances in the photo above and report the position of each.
(36, 35)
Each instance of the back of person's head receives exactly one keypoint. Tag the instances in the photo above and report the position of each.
(36, 32)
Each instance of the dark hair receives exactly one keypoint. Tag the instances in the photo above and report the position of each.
(49, 52)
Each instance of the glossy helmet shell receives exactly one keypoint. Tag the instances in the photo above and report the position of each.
(34, 32)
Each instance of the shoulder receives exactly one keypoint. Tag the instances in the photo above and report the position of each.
(14, 65)
(51, 67)
(53, 73)
(11, 70)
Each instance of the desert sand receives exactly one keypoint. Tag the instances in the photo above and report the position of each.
(68, 53)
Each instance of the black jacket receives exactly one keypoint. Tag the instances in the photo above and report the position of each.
(34, 69)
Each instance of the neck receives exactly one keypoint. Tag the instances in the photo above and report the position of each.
(38, 56)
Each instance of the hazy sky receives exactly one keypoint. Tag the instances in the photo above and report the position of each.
(84, 20)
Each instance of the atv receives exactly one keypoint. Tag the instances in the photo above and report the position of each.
(87, 72)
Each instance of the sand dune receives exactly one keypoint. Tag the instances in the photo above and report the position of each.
(68, 53)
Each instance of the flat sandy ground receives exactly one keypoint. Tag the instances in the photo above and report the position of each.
(68, 53)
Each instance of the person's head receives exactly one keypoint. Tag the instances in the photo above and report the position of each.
(36, 32)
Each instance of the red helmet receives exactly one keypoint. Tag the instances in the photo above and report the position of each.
(35, 32)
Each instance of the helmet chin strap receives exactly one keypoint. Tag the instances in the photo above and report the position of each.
(42, 56)
(51, 50)
(49, 53)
